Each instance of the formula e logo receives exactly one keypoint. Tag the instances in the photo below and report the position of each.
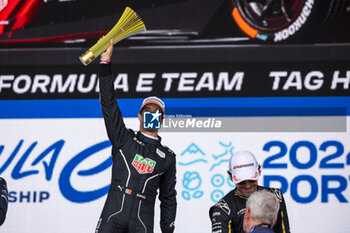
(151, 120)
(143, 165)
(3, 4)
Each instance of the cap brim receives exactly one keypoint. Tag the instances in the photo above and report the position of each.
(244, 175)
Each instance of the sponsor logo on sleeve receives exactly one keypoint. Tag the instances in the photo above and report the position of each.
(160, 153)
(222, 204)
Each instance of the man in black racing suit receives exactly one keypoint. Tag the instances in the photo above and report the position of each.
(141, 166)
(227, 214)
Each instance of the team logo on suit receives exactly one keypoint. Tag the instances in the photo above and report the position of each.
(143, 165)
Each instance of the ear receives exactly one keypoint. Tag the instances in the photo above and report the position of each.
(274, 222)
(140, 116)
(247, 214)
(246, 221)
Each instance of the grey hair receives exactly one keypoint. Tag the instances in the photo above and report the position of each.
(263, 205)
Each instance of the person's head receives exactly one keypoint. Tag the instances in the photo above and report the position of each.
(261, 207)
(151, 104)
(244, 171)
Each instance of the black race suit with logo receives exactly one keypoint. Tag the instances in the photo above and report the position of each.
(141, 166)
(227, 215)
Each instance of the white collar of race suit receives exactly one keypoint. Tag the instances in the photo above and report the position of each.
(154, 138)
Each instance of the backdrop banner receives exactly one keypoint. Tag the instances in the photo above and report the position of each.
(58, 169)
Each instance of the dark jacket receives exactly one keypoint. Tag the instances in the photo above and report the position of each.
(259, 229)
(227, 215)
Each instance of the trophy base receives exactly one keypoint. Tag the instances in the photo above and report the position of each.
(87, 57)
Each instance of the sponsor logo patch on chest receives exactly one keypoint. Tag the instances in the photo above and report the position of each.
(241, 212)
(143, 165)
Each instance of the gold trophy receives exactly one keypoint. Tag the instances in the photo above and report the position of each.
(128, 25)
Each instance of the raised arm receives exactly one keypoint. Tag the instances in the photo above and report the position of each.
(114, 122)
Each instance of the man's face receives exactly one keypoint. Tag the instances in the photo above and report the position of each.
(247, 187)
(149, 108)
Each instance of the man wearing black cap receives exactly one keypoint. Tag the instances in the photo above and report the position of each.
(3, 200)
(141, 166)
(227, 214)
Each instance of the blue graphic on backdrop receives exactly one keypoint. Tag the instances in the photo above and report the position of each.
(191, 182)
(317, 156)
(18, 173)
(48, 159)
(27, 161)
(192, 149)
(192, 179)
(228, 151)
(217, 181)
(74, 195)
